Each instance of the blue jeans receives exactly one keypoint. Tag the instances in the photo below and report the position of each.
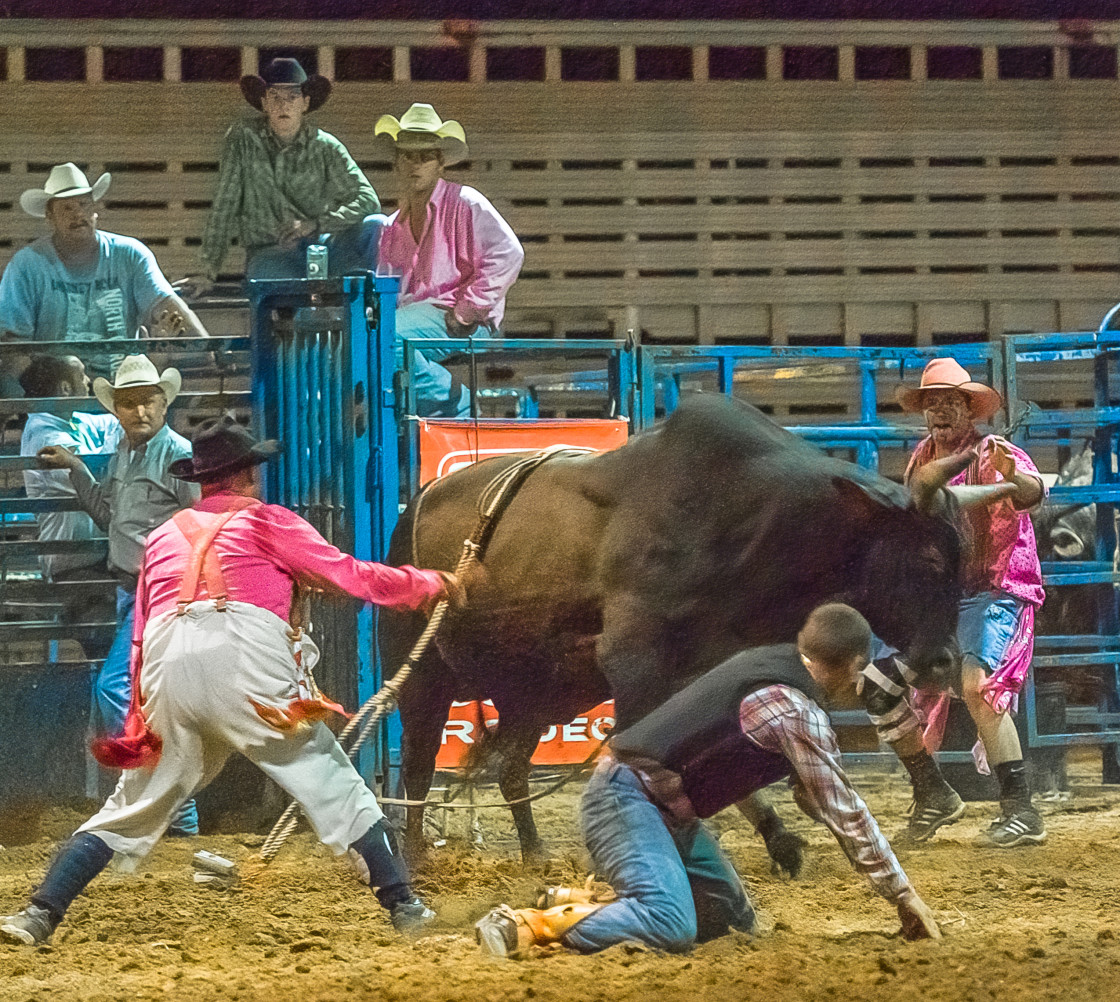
(675, 886)
(113, 692)
(437, 393)
(351, 249)
(113, 689)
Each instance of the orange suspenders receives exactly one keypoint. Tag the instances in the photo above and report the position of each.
(204, 559)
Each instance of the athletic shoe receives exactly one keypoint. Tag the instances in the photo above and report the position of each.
(926, 818)
(1022, 826)
(410, 917)
(496, 932)
(32, 926)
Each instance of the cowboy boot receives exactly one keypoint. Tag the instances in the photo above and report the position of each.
(561, 895)
(503, 931)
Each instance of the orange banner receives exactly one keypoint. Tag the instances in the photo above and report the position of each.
(449, 445)
(566, 744)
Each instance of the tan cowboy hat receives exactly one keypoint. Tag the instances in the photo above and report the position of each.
(137, 370)
(420, 128)
(949, 374)
(65, 181)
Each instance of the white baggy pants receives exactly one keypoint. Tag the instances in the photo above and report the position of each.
(199, 671)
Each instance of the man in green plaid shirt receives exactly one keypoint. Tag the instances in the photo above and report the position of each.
(284, 184)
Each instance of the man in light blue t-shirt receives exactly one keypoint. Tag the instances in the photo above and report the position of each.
(79, 283)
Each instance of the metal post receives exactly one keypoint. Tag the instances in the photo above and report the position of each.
(867, 453)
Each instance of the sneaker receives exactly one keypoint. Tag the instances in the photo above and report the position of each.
(410, 917)
(1022, 826)
(32, 926)
(926, 818)
(496, 932)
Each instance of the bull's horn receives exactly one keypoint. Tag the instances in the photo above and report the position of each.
(927, 481)
(968, 495)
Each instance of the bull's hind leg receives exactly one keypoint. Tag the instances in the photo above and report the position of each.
(424, 704)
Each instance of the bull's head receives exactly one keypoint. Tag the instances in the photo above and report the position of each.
(910, 572)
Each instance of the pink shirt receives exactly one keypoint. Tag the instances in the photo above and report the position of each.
(999, 541)
(467, 257)
(262, 550)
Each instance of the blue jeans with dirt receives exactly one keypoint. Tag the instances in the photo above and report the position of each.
(675, 886)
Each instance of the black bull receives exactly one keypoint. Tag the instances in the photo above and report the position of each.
(629, 573)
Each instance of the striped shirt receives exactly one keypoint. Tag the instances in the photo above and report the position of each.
(783, 720)
(264, 186)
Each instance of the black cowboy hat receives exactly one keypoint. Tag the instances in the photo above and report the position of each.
(286, 73)
(222, 447)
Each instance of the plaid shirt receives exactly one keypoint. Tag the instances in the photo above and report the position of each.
(782, 720)
(264, 186)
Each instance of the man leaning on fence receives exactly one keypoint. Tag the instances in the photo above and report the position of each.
(457, 257)
(217, 671)
(284, 184)
(79, 283)
(82, 434)
(137, 494)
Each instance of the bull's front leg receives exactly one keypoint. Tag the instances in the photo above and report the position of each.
(782, 845)
(424, 709)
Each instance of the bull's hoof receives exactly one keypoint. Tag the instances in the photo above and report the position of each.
(535, 855)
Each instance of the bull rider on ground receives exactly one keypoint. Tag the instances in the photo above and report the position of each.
(1002, 586)
(218, 668)
(747, 723)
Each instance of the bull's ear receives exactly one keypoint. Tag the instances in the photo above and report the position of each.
(1067, 544)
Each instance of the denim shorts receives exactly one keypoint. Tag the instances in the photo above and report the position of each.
(986, 625)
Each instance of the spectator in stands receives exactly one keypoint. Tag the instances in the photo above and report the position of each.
(283, 182)
(456, 255)
(79, 283)
(137, 495)
(83, 434)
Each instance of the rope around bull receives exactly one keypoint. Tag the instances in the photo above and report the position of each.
(497, 495)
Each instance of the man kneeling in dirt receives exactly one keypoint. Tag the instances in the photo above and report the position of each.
(216, 669)
(747, 723)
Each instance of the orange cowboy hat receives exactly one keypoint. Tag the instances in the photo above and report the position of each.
(949, 374)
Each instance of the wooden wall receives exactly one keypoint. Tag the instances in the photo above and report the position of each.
(763, 210)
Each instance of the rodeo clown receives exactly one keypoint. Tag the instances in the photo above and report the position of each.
(746, 724)
(214, 672)
(1001, 581)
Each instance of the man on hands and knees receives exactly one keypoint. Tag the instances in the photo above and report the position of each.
(1002, 584)
(749, 722)
(80, 283)
(457, 257)
(215, 671)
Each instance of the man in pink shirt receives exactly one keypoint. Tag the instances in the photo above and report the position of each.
(217, 669)
(1002, 587)
(457, 257)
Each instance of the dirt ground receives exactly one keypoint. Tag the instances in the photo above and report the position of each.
(1034, 923)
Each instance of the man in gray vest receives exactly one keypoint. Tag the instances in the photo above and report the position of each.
(749, 722)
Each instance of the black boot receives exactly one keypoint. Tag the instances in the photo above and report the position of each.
(389, 875)
(936, 803)
(78, 861)
(1019, 823)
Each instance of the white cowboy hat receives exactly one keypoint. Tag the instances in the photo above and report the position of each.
(65, 181)
(949, 374)
(137, 370)
(420, 128)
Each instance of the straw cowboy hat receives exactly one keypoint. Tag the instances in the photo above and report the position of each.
(420, 128)
(137, 370)
(283, 72)
(65, 181)
(949, 374)
(222, 447)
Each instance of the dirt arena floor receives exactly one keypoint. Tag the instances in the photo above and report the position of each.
(1035, 923)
